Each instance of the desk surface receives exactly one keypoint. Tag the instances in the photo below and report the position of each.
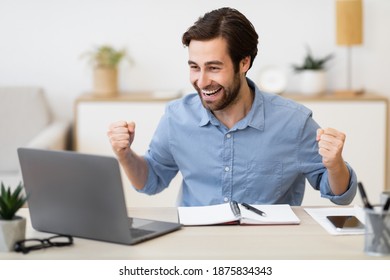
(305, 241)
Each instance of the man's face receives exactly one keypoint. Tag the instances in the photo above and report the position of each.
(212, 74)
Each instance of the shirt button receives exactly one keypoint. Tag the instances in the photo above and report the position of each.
(227, 168)
(228, 135)
(226, 199)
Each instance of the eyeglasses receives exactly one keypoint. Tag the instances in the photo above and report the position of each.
(28, 245)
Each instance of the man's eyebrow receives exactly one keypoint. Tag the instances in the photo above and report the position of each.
(191, 62)
(213, 62)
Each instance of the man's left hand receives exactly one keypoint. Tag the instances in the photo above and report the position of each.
(330, 144)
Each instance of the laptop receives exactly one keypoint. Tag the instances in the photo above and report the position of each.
(82, 195)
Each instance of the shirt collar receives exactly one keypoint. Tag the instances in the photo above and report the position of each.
(254, 119)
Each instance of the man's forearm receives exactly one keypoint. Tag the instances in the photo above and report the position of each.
(339, 179)
(136, 169)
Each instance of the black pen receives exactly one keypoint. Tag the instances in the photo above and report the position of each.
(364, 196)
(253, 209)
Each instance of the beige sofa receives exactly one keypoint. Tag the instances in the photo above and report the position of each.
(26, 121)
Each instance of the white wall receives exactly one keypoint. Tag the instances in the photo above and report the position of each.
(42, 40)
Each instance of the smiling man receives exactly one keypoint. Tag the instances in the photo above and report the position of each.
(222, 89)
(230, 141)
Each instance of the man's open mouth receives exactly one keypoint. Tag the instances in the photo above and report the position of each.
(211, 92)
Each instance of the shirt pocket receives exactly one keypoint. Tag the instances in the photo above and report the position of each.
(263, 181)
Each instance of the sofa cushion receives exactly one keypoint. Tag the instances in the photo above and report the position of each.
(24, 112)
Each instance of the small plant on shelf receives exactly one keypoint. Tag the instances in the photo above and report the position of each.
(312, 63)
(106, 56)
(105, 60)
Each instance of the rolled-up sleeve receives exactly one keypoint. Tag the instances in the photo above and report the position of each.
(346, 197)
(314, 170)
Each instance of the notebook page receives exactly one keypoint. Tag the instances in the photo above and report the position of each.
(275, 214)
(206, 215)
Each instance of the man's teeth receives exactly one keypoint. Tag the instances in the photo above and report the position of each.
(210, 92)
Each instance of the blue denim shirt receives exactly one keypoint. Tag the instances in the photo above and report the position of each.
(263, 159)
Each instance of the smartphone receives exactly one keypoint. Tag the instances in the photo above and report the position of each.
(346, 222)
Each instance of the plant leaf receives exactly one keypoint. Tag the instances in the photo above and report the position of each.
(11, 202)
(312, 63)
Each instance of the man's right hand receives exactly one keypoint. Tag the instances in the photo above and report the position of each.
(121, 136)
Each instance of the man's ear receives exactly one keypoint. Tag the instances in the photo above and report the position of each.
(245, 64)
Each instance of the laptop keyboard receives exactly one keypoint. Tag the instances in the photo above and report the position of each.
(138, 232)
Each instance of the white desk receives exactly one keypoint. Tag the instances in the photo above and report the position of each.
(303, 242)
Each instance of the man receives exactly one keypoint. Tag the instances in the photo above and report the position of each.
(230, 141)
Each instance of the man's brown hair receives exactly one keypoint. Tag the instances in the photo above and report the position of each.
(231, 25)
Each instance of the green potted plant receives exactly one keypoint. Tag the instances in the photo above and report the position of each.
(105, 60)
(12, 227)
(312, 73)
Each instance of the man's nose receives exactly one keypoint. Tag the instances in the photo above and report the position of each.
(203, 80)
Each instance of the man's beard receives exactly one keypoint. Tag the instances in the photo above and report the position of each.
(229, 98)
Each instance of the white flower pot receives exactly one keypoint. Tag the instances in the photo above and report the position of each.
(11, 231)
(312, 82)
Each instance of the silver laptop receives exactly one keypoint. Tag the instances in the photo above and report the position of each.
(82, 195)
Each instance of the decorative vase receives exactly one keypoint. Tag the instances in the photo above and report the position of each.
(312, 82)
(11, 231)
(105, 81)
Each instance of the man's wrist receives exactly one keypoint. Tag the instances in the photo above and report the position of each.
(125, 155)
(338, 167)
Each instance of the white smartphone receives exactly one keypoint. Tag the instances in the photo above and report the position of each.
(346, 222)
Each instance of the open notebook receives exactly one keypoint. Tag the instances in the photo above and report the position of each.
(228, 213)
